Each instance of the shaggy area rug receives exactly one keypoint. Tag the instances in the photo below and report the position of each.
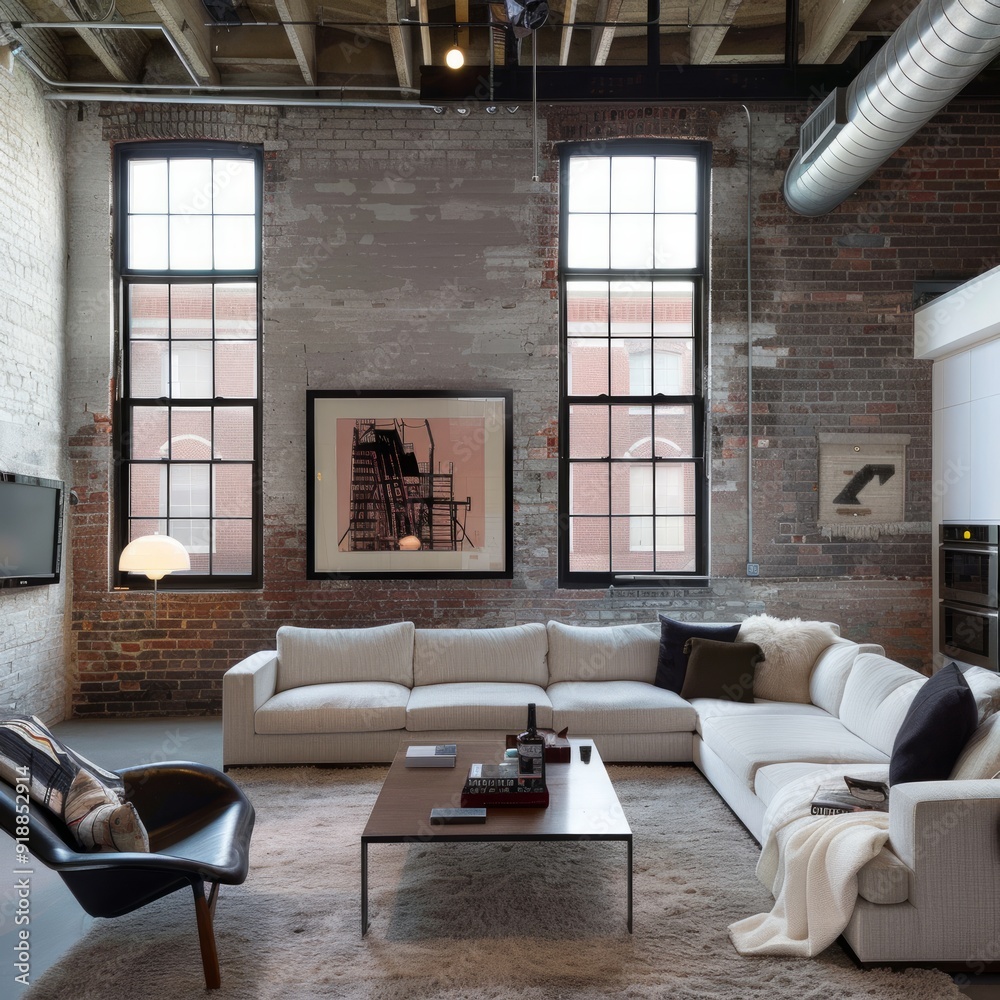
(471, 921)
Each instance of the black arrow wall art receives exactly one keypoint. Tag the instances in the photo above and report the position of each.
(860, 479)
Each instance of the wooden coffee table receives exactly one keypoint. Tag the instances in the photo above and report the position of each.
(582, 806)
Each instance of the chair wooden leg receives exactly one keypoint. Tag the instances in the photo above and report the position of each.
(205, 910)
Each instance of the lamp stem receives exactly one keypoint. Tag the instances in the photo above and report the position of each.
(155, 591)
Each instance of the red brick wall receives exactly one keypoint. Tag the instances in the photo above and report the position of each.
(411, 251)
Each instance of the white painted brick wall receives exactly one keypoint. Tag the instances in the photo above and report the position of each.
(34, 623)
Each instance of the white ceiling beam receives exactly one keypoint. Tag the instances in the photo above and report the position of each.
(827, 27)
(425, 32)
(301, 36)
(600, 42)
(184, 21)
(717, 16)
(399, 41)
(566, 39)
(121, 53)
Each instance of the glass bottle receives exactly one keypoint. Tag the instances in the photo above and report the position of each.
(531, 749)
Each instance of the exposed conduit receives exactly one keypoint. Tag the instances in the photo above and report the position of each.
(931, 56)
(750, 561)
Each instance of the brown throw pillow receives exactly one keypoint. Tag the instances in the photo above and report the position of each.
(720, 669)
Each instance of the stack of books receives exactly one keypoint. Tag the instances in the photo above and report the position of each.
(439, 755)
(501, 785)
(850, 795)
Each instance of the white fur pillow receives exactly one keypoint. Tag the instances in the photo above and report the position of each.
(790, 648)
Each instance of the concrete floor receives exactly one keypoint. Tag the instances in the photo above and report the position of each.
(56, 920)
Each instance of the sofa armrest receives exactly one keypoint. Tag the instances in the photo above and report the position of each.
(245, 687)
(946, 832)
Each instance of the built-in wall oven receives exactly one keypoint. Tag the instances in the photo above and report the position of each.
(969, 587)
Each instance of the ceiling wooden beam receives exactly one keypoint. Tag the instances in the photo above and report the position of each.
(302, 36)
(717, 16)
(425, 32)
(601, 38)
(566, 38)
(184, 21)
(399, 41)
(121, 53)
(827, 27)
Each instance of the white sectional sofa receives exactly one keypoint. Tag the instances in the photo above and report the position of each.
(932, 894)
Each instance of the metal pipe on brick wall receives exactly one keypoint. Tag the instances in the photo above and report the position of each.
(931, 56)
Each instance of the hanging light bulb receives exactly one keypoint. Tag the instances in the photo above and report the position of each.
(455, 57)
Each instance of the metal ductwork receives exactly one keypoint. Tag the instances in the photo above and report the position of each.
(934, 53)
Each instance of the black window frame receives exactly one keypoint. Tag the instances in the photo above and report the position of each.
(699, 275)
(125, 277)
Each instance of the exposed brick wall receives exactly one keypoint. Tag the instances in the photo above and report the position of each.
(406, 250)
(34, 634)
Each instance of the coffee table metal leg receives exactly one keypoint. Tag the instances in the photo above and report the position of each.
(630, 885)
(364, 887)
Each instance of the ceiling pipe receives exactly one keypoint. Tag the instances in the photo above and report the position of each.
(219, 100)
(942, 46)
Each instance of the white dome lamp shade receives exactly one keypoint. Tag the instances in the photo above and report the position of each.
(154, 556)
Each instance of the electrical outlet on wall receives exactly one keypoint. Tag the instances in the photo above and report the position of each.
(753, 569)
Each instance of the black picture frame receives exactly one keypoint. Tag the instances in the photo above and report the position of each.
(409, 484)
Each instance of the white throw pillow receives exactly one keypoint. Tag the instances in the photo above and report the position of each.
(790, 648)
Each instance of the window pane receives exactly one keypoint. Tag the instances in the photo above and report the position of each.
(679, 554)
(235, 370)
(147, 242)
(631, 429)
(588, 545)
(621, 488)
(589, 184)
(191, 311)
(236, 311)
(234, 433)
(189, 492)
(632, 184)
(233, 548)
(232, 493)
(587, 241)
(233, 185)
(147, 187)
(137, 527)
(147, 491)
(673, 367)
(676, 241)
(674, 431)
(633, 374)
(588, 432)
(676, 184)
(148, 311)
(195, 536)
(190, 242)
(149, 432)
(673, 309)
(625, 559)
(190, 187)
(631, 241)
(148, 369)
(631, 308)
(588, 488)
(191, 369)
(191, 428)
(235, 245)
(587, 308)
(587, 362)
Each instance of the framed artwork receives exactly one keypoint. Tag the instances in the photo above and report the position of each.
(409, 484)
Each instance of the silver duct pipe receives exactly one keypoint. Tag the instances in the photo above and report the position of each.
(930, 57)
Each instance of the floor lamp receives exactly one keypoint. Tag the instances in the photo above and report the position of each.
(155, 556)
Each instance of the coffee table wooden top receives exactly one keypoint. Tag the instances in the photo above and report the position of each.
(582, 802)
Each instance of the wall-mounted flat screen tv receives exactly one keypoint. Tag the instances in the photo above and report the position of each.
(31, 527)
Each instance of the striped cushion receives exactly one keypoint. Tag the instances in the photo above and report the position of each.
(709, 708)
(476, 706)
(608, 653)
(329, 655)
(460, 655)
(618, 707)
(981, 756)
(876, 698)
(350, 707)
(830, 673)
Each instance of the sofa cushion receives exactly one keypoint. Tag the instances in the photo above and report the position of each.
(602, 653)
(330, 655)
(748, 742)
(349, 707)
(463, 655)
(980, 757)
(790, 648)
(593, 708)
(876, 698)
(937, 726)
(671, 662)
(985, 685)
(709, 708)
(482, 705)
(830, 672)
(720, 669)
